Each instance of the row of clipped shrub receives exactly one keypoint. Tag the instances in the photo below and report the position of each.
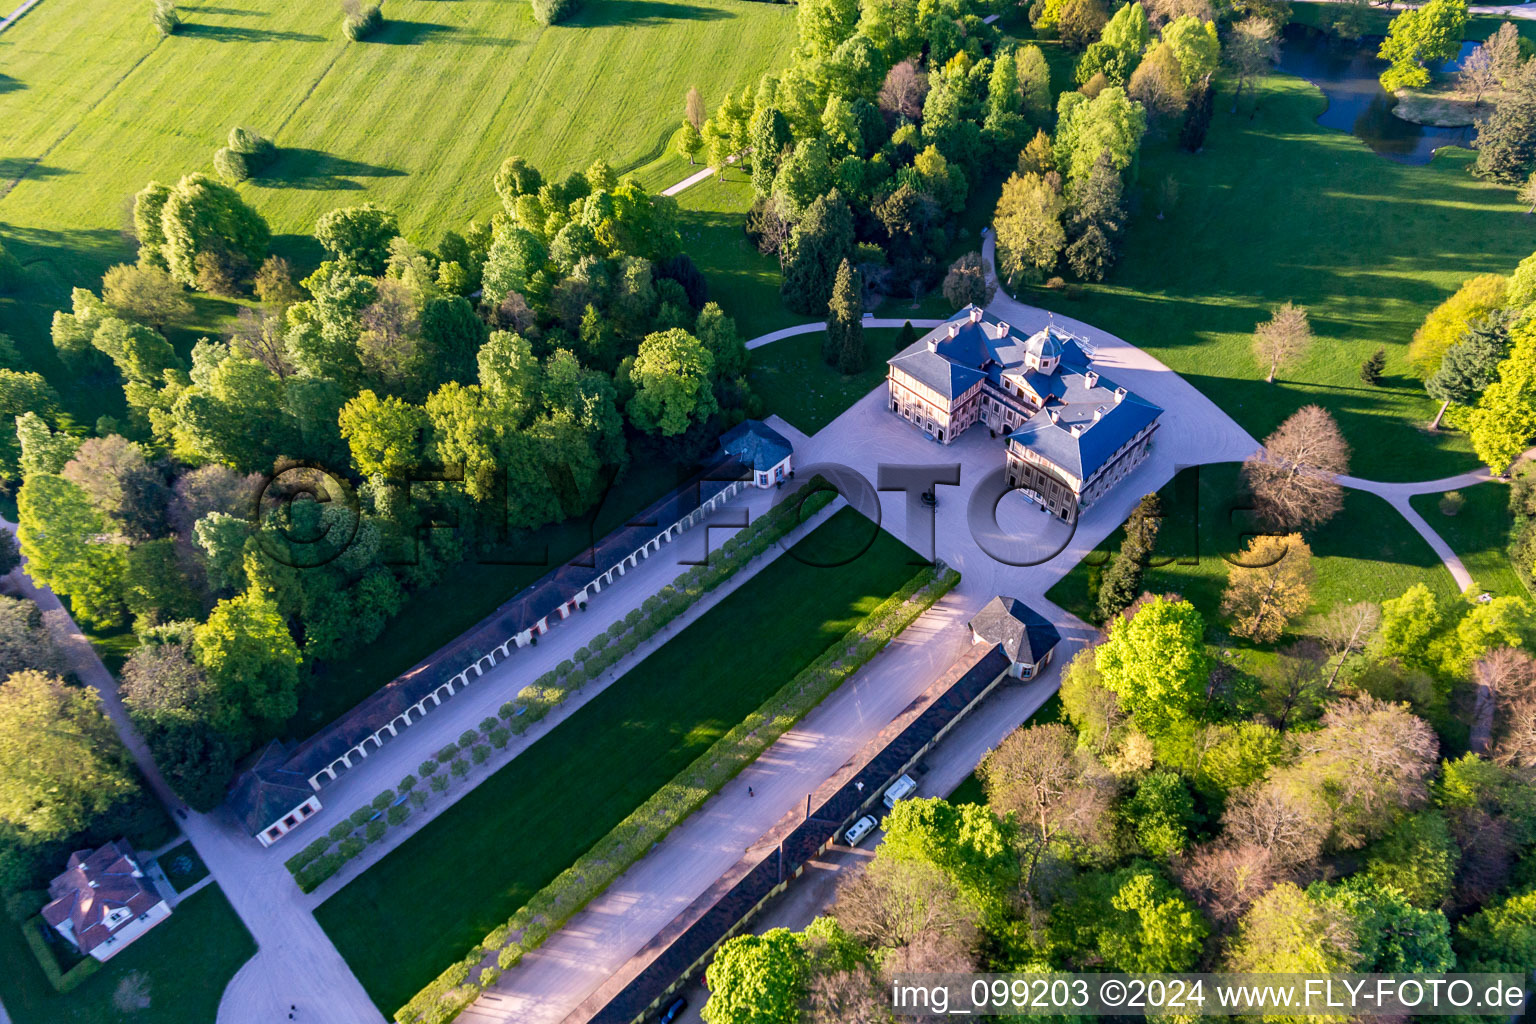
(367, 825)
(318, 861)
(592, 873)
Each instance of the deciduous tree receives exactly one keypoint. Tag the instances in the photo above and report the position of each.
(1268, 585)
(1156, 661)
(1292, 480)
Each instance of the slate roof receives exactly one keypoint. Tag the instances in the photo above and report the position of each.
(269, 790)
(756, 444)
(1076, 402)
(278, 773)
(93, 884)
(990, 348)
(1026, 635)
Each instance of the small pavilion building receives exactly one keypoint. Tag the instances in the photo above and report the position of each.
(763, 450)
(1026, 636)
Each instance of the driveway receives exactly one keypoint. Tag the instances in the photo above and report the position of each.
(553, 980)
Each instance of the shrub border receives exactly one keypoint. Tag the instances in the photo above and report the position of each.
(316, 862)
(62, 981)
(551, 907)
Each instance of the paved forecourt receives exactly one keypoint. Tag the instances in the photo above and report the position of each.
(595, 944)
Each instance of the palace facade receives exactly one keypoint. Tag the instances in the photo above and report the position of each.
(1071, 433)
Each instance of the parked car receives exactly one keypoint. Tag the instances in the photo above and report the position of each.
(901, 788)
(859, 829)
(673, 1011)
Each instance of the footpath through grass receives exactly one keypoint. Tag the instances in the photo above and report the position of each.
(795, 382)
(1368, 552)
(176, 974)
(1277, 208)
(468, 870)
(1479, 533)
(416, 118)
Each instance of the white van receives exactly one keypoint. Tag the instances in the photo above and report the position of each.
(902, 787)
(859, 829)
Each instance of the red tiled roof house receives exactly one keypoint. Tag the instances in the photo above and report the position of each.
(103, 901)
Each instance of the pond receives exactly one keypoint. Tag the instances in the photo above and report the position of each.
(1347, 73)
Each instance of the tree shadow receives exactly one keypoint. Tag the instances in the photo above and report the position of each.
(645, 12)
(242, 34)
(414, 33)
(301, 251)
(14, 168)
(9, 84)
(239, 12)
(315, 169)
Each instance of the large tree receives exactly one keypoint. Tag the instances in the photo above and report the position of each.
(1268, 586)
(1506, 140)
(756, 979)
(819, 244)
(251, 661)
(1030, 235)
(843, 346)
(673, 380)
(198, 215)
(1282, 339)
(61, 766)
(69, 549)
(1292, 479)
(358, 236)
(1419, 37)
(1156, 661)
(1060, 796)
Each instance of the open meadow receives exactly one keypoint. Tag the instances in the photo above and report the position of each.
(93, 104)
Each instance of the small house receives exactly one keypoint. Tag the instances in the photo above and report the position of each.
(1027, 637)
(761, 449)
(103, 902)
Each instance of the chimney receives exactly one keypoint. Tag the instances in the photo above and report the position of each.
(1077, 429)
(1119, 395)
(1055, 417)
(933, 344)
(1098, 414)
(1002, 328)
(1091, 378)
(975, 314)
(954, 329)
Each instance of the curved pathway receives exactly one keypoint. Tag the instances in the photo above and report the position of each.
(1108, 348)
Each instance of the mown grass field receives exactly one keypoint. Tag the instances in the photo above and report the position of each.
(470, 868)
(93, 104)
(181, 968)
(1479, 534)
(795, 382)
(1277, 208)
(1368, 552)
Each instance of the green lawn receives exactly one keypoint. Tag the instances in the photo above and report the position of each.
(469, 592)
(93, 104)
(1479, 533)
(468, 870)
(181, 967)
(1367, 552)
(1277, 208)
(795, 382)
(182, 866)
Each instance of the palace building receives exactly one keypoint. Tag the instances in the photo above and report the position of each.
(1071, 433)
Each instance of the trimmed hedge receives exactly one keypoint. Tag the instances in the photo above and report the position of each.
(61, 980)
(314, 864)
(592, 873)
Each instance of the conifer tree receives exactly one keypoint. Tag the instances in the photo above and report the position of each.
(844, 345)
